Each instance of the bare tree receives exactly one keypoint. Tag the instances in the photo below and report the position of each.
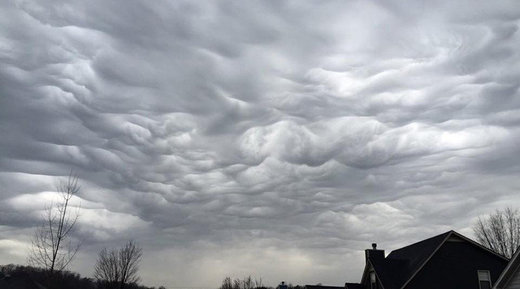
(52, 247)
(107, 267)
(236, 284)
(226, 283)
(246, 283)
(129, 258)
(259, 283)
(117, 268)
(500, 231)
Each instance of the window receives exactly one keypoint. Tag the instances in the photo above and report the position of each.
(373, 282)
(484, 280)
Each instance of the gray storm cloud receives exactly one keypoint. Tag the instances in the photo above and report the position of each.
(277, 139)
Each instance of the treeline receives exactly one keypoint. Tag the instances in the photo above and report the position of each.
(252, 283)
(28, 277)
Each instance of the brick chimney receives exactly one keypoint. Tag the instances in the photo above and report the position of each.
(374, 253)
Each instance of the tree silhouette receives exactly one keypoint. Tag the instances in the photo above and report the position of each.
(500, 231)
(116, 268)
(52, 247)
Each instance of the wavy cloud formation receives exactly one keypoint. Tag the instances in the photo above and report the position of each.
(277, 139)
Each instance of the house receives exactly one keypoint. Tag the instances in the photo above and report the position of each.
(447, 261)
(510, 277)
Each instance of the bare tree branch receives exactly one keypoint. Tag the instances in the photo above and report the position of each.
(119, 267)
(52, 248)
(245, 283)
(500, 231)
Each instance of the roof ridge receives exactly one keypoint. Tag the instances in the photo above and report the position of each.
(511, 265)
(420, 242)
(477, 244)
(448, 234)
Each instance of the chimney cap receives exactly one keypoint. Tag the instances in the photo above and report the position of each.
(374, 246)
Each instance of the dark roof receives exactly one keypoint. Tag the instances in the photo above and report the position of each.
(354, 286)
(512, 267)
(401, 265)
(390, 271)
(418, 252)
(407, 260)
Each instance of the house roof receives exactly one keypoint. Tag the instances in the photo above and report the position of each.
(512, 267)
(354, 286)
(401, 265)
(413, 257)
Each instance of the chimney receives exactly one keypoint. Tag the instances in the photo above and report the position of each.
(374, 254)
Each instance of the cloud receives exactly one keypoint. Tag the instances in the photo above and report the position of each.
(14, 247)
(222, 136)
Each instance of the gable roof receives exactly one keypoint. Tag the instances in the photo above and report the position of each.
(511, 268)
(401, 265)
(414, 256)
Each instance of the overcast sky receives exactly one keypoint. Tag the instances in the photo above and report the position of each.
(276, 139)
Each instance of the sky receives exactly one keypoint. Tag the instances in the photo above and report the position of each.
(276, 139)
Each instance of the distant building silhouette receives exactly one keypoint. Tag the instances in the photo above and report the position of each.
(282, 285)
